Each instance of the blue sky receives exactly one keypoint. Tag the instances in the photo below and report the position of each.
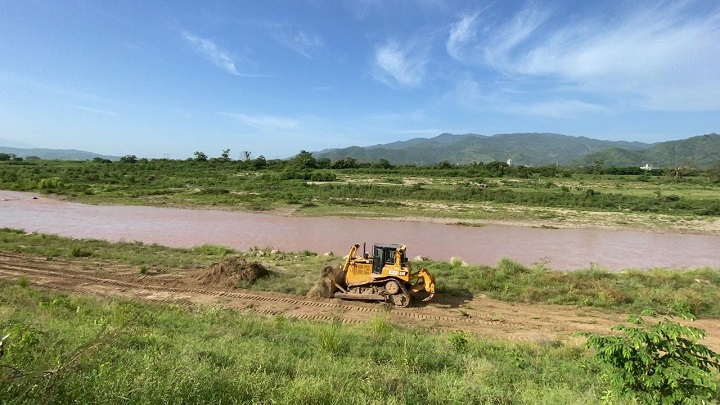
(168, 78)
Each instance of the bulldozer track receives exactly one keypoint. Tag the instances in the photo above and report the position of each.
(476, 315)
(15, 266)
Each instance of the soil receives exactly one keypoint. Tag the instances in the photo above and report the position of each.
(325, 286)
(544, 324)
(230, 272)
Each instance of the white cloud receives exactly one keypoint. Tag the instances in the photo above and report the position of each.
(265, 122)
(473, 40)
(471, 95)
(95, 110)
(555, 109)
(461, 34)
(303, 43)
(213, 53)
(662, 57)
(396, 64)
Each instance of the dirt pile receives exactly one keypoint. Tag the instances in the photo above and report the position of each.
(325, 286)
(232, 271)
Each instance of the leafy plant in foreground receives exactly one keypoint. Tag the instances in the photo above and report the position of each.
(660, 363)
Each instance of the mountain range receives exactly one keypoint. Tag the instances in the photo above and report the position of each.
(54, 154)
(529, 149)
(537, 149)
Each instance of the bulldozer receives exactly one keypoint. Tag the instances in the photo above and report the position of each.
(386, 276)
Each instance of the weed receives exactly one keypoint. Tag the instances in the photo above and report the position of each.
(332, 339)
(78, 251)
(459, 341)
(379, 326)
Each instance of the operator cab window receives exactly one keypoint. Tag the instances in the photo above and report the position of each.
(379, 260)
(389, 257)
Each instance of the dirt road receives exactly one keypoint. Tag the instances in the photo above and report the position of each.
(479, 315)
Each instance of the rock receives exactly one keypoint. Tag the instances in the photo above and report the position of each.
(456, 261)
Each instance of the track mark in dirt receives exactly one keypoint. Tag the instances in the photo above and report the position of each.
(478, 315)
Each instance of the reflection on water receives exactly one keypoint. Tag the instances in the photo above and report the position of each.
(564, 249)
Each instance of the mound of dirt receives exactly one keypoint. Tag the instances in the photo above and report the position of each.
(231, 271)
(325, 286)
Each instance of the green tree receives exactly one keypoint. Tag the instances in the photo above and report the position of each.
(129, 159)
(714, 173)
(259, 163)
(443, 165)
(384, 164)
(225, 156)
(324, 163)
(597, 168)
(200, 156)
(304, 160)
(347, 163)
(497, 168)
(659, 363)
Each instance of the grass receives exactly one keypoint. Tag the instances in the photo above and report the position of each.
(75, 349)
(664, 290)
(696, 291)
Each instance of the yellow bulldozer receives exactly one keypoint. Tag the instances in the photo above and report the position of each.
(386, 275)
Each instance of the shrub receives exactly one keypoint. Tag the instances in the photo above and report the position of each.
(77, 251)
(459, 341)
(658, 363)
(50, 183)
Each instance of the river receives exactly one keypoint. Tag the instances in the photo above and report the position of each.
(562, 249)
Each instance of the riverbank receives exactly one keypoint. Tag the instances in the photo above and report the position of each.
(465, 214)
(528, 217)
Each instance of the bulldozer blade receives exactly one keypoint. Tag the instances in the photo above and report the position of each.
(429, 297)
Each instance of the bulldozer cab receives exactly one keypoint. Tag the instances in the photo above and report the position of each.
(386, 255)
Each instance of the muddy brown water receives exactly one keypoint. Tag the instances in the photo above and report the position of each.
(563, 249)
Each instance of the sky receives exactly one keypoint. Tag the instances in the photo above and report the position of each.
(169, 78)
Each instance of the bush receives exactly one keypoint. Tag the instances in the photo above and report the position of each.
(77, 251)
(658, 363)
(322, 176)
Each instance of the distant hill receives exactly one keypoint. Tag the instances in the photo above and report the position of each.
(530, 149)
(55, 154)
(15, 144)
(698, 151)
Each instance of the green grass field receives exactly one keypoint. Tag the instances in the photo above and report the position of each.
(74, 349)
